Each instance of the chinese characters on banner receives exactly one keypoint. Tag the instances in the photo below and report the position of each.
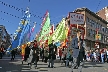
(76, 18)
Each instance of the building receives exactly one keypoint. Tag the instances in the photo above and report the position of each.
(4, 37)
(93, 25)
(103, 13)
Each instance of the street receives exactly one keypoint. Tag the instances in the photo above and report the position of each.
(6, 65)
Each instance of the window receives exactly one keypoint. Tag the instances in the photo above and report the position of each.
(101, 28)
(94, 24)
(94, 34)
(91, 23)
(103, 40)
(88, 20)
(107, 39)
(88, 32)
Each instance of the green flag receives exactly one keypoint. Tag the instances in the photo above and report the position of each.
(45, 28)
(57, 32)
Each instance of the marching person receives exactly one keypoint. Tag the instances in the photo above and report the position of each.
(13, 54)
(27, 52)
(78, 50)
(35, 53)
(46, 54)
(52, 54)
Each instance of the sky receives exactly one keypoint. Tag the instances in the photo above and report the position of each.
(57, 10)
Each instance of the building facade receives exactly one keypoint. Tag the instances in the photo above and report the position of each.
(5, 38)
(93, 25)
(103, 13)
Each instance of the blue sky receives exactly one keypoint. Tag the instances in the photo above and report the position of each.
(57, 9)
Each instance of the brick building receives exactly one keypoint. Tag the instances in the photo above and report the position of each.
(4, 37)
(93, 24)
(103, 13)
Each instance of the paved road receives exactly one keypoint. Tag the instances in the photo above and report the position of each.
(6, 65)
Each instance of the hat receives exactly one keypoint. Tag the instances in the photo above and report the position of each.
(35, 41)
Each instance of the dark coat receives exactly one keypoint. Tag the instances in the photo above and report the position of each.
(13, 52)
(52, 51)
(27, 52)
(35, 53)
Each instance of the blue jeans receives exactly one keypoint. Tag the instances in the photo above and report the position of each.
(51, 61)
(102, 59)
(67, 62)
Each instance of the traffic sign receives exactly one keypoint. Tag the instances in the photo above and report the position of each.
(98, 37)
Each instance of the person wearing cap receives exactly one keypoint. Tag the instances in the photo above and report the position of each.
(52, 54)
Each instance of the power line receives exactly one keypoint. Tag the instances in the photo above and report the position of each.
(12, 15)
(98, 5)
(18, 9)
(21, 10)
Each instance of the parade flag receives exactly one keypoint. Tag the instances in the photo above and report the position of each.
(26, 30)
(57, 32)
(45, 30)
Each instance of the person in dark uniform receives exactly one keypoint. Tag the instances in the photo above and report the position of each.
(52, 54)
(13, 52)
(27, 52)
(35, 54)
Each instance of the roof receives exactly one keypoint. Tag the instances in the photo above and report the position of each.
(92, 13)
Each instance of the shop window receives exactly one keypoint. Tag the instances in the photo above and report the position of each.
(107, 39)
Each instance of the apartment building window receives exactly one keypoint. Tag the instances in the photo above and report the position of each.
(88, 32)
(101, 28)
(91, 23)
(94, 34)
(103, 38)
(107, 38)
(106, 30)
(94, 24)
(87, 20)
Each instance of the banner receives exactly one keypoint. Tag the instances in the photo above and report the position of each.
(76, 18)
